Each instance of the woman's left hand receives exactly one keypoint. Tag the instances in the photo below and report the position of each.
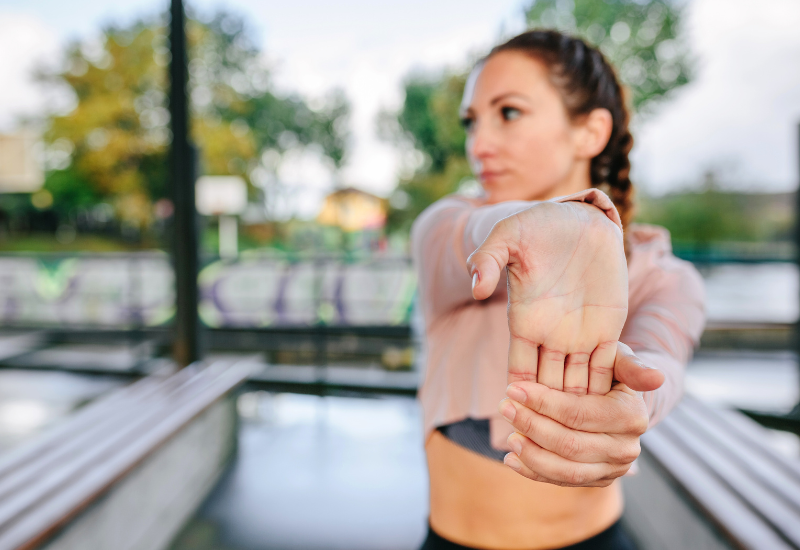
(579, 441)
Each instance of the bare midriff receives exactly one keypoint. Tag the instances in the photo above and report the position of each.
(481, 503)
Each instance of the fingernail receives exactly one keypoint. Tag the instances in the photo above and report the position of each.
(476, 277)
(508, 410)
(515, 443)
(512, 461)
(516, 393)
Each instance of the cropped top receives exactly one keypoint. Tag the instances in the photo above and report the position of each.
(466, 341)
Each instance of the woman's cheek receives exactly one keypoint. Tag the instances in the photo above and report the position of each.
(540, 161)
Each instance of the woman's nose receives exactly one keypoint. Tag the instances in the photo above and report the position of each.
(482, 141)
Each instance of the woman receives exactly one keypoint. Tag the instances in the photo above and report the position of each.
(545, 118)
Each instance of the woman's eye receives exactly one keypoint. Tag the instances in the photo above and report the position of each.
(510, 113)
(467, 123)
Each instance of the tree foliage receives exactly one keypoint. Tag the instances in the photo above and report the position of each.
(429, 122)
(112, 146)
(640, 37)
(709, 215)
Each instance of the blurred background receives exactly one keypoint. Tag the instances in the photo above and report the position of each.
(321, 131)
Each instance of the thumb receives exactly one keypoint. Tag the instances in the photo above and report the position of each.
(486, 263)
(631, 371)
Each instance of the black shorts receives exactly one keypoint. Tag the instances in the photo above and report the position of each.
(613, 538)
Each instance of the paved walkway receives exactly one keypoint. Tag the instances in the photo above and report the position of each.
(319, 473)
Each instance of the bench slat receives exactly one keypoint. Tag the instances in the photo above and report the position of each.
(758, 464)
(52, 500)
(733, 474)
(750, 432)
(720, 505)
(98, 422)
(94, 453)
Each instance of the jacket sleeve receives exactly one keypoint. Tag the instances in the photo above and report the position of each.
(442, 238)
(664, 330)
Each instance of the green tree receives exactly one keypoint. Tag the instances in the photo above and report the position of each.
(710, 215)
(429, 123)
(640, 37)
(112, 146)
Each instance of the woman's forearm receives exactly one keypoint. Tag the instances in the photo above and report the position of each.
(664, 331)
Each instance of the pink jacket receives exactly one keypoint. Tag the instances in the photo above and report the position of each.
(466, 341)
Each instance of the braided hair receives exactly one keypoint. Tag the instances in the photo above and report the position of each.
(586, 82)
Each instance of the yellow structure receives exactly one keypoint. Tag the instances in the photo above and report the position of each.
(19, 171)
(353, 210)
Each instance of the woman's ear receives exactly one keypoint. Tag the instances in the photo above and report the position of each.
(594, 133)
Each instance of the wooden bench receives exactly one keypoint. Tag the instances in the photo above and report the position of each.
(126, 471)
(708, 479)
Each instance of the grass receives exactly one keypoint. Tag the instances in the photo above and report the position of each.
(81, 243)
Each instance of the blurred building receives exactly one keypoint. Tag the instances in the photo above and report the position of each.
(360, 216)
(19, 170)
(352, 210)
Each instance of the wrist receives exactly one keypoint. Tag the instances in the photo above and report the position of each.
(596, 198)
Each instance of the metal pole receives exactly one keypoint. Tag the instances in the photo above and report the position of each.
(186, 348)
(796, 411)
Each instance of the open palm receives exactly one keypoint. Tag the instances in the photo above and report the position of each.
(567, 293)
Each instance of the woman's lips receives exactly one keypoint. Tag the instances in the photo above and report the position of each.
(489, 175)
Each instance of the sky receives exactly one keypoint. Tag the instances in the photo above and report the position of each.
(739, 117)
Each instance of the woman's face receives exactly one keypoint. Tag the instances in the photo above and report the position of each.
(521, 142)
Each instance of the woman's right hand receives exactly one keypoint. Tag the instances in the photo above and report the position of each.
(567, 292)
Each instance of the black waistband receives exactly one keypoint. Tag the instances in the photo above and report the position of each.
(613, 538)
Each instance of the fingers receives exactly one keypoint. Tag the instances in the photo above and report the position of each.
(617, 412)
(523, 360)
(574, 445)
(551, 368)
(512, 461)
(601, 368)
(556, 469)
(487, 262)
(576, 373)
(631, 371)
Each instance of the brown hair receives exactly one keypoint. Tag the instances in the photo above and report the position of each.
(587, 82)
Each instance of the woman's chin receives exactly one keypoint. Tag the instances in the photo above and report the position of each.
(494, 196)
(501, 193)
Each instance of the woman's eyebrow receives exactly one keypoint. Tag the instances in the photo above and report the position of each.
(507, 95)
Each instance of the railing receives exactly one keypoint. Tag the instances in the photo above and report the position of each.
(736, 252)
(258, 291)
